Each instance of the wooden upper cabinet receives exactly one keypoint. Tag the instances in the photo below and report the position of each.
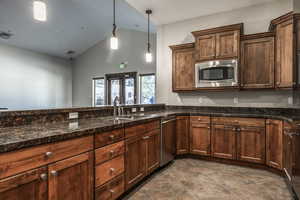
(182, 134)
(183, 67)
(72, 179)
(251, 143)
(205, 47)
(285, 69)
(227, 44)
(258, 61)
(274, 143)
(29, 185)
(218, 43)
(200, 135)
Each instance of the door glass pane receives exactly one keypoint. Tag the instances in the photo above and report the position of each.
(129, 91)
(115, 90)
(148, 89)
(99, 91)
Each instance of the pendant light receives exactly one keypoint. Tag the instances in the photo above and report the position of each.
(114, 43)
(39, 10)
(148, 53)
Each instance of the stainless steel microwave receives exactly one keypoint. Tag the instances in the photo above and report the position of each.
(218, 73)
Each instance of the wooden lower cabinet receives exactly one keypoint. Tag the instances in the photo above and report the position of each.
(29, 185)
(72, 179)
(251, 144)
(223, 144)
(153, 150)
(182, 134)
(200, 137)
(135, 162)
(142, 156)
(274, 143)
(111, 190)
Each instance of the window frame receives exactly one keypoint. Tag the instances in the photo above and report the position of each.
(140, 86)
(94, 91)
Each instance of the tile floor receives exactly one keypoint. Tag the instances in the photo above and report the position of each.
(191, 179)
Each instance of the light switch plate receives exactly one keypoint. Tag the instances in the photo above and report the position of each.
(73, 115)
(142, 109)
(73, 125)
(290, 101)
(133, 110)
(236, 100)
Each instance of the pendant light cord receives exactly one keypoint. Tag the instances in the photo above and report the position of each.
(114, 13)
(148, 31)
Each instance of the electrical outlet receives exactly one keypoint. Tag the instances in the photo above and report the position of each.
(142, 109)
(235, 100)
(200, 100)
(133, 110)
(290, 101)
(73, 115)
(73, 125)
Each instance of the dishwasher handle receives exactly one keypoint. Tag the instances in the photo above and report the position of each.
(171, 120)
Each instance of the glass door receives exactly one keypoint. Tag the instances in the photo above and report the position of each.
(123, 86)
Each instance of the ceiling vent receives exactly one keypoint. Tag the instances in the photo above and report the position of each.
(5, 35)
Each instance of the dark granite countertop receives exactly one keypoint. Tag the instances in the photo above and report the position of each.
(15, 138)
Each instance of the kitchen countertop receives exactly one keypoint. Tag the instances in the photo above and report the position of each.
(15, 138)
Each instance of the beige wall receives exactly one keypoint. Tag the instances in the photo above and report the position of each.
(256, 19)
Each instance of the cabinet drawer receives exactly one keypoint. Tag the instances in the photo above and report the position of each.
(111, 190)
(24, 160)
(103, 139)
(140, 129)
(200, 119)
(108, 170)
(109, 152)
(239, 121)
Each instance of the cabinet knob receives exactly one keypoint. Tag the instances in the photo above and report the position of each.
(54, 173)
(146, 137)
(112, 170)
(199, 119)
(48, 154)
(44, 177)
(112, 191)
(208, 127)
(111, 153)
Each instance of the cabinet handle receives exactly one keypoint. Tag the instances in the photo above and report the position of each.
(111, 153)
(48, 154)
(112, 191)
(238, 129)
(146, 137)
(208, 127)
(54, 173)
(199, 119)
(112, 137)
(44, 177)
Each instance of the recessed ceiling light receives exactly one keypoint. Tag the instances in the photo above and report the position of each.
(5, 35)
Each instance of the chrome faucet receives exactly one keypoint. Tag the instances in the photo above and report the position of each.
(116, 106)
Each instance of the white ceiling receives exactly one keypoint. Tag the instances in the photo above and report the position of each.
(72, 24)
(169, 11)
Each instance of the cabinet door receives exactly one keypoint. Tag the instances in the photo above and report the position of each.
(227, 44)
(72, 179)
(285, 69)
(135, 161)
(200, 139)
(251, 143)
(29, 185)
(274, 142)
(153, 150)
(223, 141)
(257, 69)
(183, 69)
(205, 47)
(182, 135)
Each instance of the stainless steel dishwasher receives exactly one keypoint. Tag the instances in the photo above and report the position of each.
(168, 140)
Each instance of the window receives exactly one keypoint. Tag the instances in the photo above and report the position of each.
(147, 88)
(99, 91)
(122, 85)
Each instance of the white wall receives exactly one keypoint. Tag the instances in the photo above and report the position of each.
(100, 60)
(32, 80)
(256, 19)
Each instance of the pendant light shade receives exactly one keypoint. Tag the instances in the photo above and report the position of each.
(114, 42)
(39, 10)
(149, 57)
